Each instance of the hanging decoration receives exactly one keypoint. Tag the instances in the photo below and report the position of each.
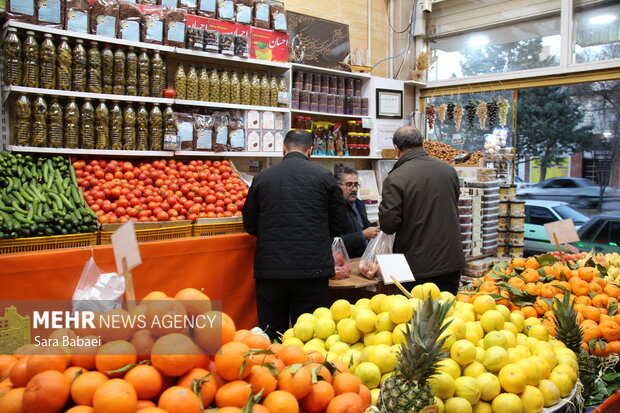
(504, 106)
(492, 112)
(441, 111)
(430, 116)
(450, 111)
(482, 114)
(470, 111)
(458, 116)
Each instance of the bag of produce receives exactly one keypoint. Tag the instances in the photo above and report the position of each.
(381, 244)
(98, 291)
(342, 265)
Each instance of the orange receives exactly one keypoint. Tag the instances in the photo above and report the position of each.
(259, 408)
(281, 402)
(532, 288)
(319, 397)
(366, 397)
(143, 341)
(84, 387)
(518, 262)
(590, 331)
(81, 409)
(230, 362)
(112, 328)
(600, 300)
(241, 334)
(346, 382)
(315, 357)
(116, 396)
(208, 390)
(195, 302)
(321, 371)
(152, 410)
(595, 288)
(529, 311)
(178, 399)
(115, 355)
(610, 330)
(230, 409)
(298, 383)
(258, 341)
(346, 402)
(584, 299)
(614, 347)
(235, 393)
(143, 404)
(72, 372)
(18, 372)
(530, 275)
(12, 401)
(146, 381)
(6, 362)
(517, 282)
(261, 378)
(51, 358)
(599, 281)
(612, 290)
(581, 288)
(47, 392)
(84, 356)
(292, 355)
(223, 325)
(591, 313)
(158, 310)
(174, 354)
(187, 379)
(585, 273)
(340, 366)
(155, 295)
(532, 263)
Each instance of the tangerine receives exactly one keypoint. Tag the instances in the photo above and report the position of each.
(174, 354)
(146, 381)
(319, 397)
(235, 393)
(115, 395)
(84, 386)
(115, 355)
(281, 402)
(178, 399)
(230, 363)
(47, 392)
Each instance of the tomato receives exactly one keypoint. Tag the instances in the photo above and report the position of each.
(219, 210)
(103, 219)
(152, 205)
(162, 216)
(128, 175)
(192, 217)
(123, 202)
(132, 212)
(231, 207)
(211, 215)
(210, 208)
(210, 199)
(240, 205)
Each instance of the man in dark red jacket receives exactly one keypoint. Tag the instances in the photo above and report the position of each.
(293, 209)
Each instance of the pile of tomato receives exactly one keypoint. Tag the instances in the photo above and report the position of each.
(162, 190)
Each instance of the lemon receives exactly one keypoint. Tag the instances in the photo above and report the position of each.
(489, 386)
(548, 356)
(432, 289)
(374, 396)
(550, 392)
(564, 360)
(400, 311)
(563, 381)
(351, 359)
(530, 321)
(383, 356)
(511, 338)
(288, 334)
(307, 317)
(339, 348)
(507, 403)
(484, 303)
(457, 405)
(473, 331)
(479, 354)
(492, 320)
(340, 309)
(369, 338)
(447, 296)
(334, 338)
(495, 338)
(331, 356)
(543, 366)
(439, 404)
(442, 385)
(324, 327)
(467, 388)
(450, 339)
(322, 312)
(565, 351)
(383, 337)
(518, 321)
(358, 346)
(458, 327)
(365, 320)
(538, 331)
(315, 343)
(398, 335)
(504, 310)
(383, 322)
(348, 332)
(463, 352)
(474, 369)
(375, 302)
(363, 302)
(508, 326)
(293, 341)
(531, 370)
(563, 368)
(369, 374)
(522, 340)
(532, 399)
(482, 407)
(512, 378)
(449, 366)
(495, 358)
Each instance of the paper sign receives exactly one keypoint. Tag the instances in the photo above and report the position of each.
(367, 123)
(564, 231)
(126, 246)
(394, 265)
(571, 249)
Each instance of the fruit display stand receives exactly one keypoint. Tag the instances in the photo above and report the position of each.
(150, 231)
(216, 226)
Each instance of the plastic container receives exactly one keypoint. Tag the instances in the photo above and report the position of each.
(466, 252)
(502, 250)
(465, 210)
(486, 212)
(504, 208)
(489, 230)
(466, 227)
(465, 201)
(466, 236)
(490, 237)
(486, 184)
(507, 192)
(517, 208)
(502, 237)
(466, 244)
(465, 220)
(516, 251)
(517, 223)
(491, 204)
(516, 237)
(503, 222)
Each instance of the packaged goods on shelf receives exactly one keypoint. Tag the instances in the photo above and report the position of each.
(516, 251)
(254, 141)
(22, 10)
(203, 132)
(502, 250)
(268, 140)
(130, 17)
(152, 25)
(104, 18)
(51, 13)
(507, 192)
(517, 208)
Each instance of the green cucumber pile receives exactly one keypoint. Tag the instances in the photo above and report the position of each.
(39, 197)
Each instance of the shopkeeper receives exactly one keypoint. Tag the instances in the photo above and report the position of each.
(359, 228)
(293, 209)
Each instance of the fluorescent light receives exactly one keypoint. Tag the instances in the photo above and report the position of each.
(478, 41)
(602, 19)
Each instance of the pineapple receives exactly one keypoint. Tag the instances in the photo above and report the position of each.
(408, 390)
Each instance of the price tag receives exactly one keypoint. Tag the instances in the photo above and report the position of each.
(125, 246)
(367, 123)
(394, 265)
(564, 231)
(284, 98)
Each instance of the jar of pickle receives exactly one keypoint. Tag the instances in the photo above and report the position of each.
(308, 79)
(170, 125)
(298, 80)
(116, 126)
(295, 99)
(87, 125)
(246, 89)
(214, 86)
(235, 88)
(299, 122)
(64, 62)
(156, 128)
(203, 84)
(224, 87)
(316, 83)
(72, 125)
(192, 83)
(304, 100)
(273, 91)
(30, 74)
(119, 71)
(39, 122)
(142, 128)
(255, 90)
(24, 121)
(265, 90)
(54, 124)
(94, 69)
(158, 81)
(164, 76)
(79, 66)
(102, 126)
(131, 72)
(12, 48)
(47, 60)
(129, 128)
(144, 73)
(107, 69)
(180, 82)
(282, 88)
(314, 101)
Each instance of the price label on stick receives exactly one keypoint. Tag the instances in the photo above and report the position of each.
(564, 231)
(396, 266)
(126, 247)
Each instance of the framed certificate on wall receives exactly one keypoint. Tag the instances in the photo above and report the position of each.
(389, 104)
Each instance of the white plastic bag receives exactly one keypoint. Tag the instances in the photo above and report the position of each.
(342, 264)
(381, 244)
(98, 291)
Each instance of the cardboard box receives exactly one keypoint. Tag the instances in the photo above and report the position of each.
(268, 45)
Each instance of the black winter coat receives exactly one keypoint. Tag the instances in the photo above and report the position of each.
(294, 209)
(354, 239)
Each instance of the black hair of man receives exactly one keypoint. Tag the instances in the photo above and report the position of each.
(407, 137)
(298, 139)
(340, 169)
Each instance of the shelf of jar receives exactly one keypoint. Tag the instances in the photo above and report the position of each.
(229, 105)
(326, 114)
(236, 60)
(260, 155)
(316, 69)
(7, 90)
(103, 152)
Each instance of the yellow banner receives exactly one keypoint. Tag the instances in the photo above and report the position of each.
(554, 169)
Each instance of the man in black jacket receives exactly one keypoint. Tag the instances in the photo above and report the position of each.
(359, 229)
(293, 209)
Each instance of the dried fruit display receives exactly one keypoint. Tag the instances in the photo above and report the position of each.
(441, 111)
(470, 111)
(482, 114)
(450, 110)
(458, 116)
(492, 109)
(504, 106)
(430, 116)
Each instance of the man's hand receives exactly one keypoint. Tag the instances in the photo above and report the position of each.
(370, 232)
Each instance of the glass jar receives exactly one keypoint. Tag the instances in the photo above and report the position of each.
(158, 81)
(131, 73)
(94, 69)
(180, 82)
(214, 86)
(255, 90)
(359, 126)
(235, 88)
(298, 80)
(322, 102)
(54, 124)
(273, 91)
(102, 126)
(107, 69)
(24, 121)
(144, 74)
(119, 71)
(265, 91)
(224, 87)
(282, 88)
(325, 84)
(331, 103)
(142, 128)
(12, 48)
(72, 125)
(87, 125)
(203, 84)
(304, 100)
(316, 83)
(129, 128)
(340, 104)
(156, 130)
(365, 107)
(79, 66)
(308, 79)
(340, 86)
(314, 102)
(295, 99)
(64, 65)
(192, 83)
(299, 122)
(116, 127)
(30, 75)
(357, 87)
(349, 90)
(333, 85)
(47, 60)
(246, 89)
(39, 122)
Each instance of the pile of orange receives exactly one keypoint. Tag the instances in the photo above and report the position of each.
(528, 282)
(152, 371)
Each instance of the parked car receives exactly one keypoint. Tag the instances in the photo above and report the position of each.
(601, 233)
(539, 213)
(520, 183)
(579, 192)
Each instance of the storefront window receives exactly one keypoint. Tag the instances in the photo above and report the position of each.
(596, 31)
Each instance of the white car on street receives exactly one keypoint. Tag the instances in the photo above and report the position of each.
(537, 214)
